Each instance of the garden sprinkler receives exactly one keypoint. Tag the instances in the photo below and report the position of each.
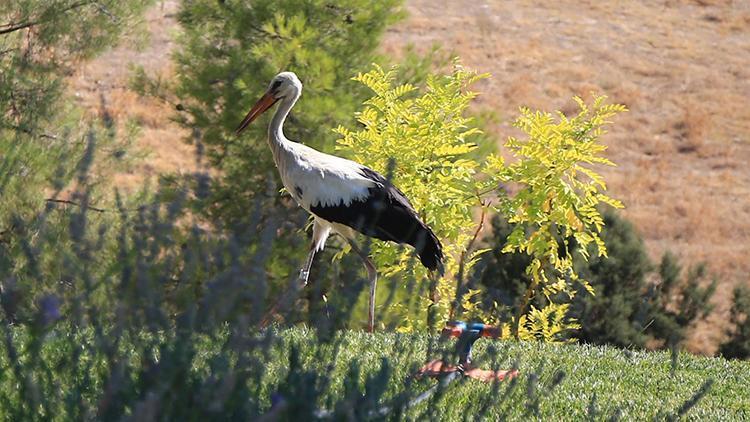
(467, 334)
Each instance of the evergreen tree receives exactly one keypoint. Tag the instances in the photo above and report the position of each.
(615, 314)
(737, 345)
(229, 50)
(41, 42)
(676, 302)
(628, 308)
(43, 139)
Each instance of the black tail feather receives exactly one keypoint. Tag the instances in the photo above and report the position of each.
(429, 249)
(386, 214)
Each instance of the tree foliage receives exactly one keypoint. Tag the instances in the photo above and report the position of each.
(43, 137)
(229, 50)
(636, 303)
(680, 298)
(737, 346)
(640, 304)
(556, 201)
(431, 142)
(423, 141)
(619, 313)
(41, 42)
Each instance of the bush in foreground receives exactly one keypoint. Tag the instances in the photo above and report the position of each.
(307, 376)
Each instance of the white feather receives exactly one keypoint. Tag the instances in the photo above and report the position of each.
(321, 231)
(324, 180)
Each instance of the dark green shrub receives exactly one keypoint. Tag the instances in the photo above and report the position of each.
(227, 53)
(628, 309)
(678, 300)
(617, 313)
(737, 345)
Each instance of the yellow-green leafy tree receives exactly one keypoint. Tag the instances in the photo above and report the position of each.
(556, 202)
(428, 138)
(424, 141)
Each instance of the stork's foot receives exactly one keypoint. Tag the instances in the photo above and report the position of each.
(303, 277)
(438, 368)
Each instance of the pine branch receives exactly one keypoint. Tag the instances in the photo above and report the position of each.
(17, 27)
(68, 202)
(4, 52)
(32, 133)
(97, 209)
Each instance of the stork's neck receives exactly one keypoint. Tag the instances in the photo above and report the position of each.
(276, 130)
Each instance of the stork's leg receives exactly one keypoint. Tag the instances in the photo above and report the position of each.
(320, 234)
(372, 275)
(304, 273)
(290, 294)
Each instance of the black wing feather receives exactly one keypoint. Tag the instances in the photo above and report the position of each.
(387, 214)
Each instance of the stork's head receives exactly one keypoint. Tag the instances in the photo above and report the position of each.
(284, 85)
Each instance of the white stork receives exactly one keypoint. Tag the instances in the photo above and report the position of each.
(343, 196)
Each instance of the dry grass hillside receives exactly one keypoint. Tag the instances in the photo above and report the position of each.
(682, 67)
(101, 86)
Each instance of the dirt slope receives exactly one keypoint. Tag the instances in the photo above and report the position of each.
(101, 86)
(682, 67)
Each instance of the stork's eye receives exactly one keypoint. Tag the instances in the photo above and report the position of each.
(275, 85)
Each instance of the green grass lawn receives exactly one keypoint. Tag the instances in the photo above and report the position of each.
(351, 373)
(602, 381)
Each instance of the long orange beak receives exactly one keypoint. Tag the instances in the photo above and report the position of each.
(264, 103)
